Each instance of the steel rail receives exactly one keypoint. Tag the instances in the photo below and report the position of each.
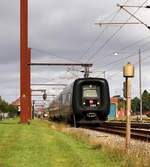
(137, 132)
(133, 124)
(140, 134)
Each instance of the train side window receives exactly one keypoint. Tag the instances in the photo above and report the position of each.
(68, 98)
(63, 99)
(60, 99)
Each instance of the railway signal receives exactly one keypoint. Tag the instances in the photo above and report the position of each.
(128, 73)
(44, 96)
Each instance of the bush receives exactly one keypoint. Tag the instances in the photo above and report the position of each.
(7, 108)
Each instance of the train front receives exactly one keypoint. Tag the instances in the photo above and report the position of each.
(91, 100)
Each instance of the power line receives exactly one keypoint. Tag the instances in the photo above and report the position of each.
(100, 35)
(140, 21)
(54, 55)
(116, 61)
(145, 50)
(118, 30)
(134, 63)
(112, 63)
(129, 46)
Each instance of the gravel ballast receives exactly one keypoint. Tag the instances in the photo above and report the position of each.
(114, 141)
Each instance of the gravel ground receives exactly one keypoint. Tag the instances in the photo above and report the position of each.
(114, 141)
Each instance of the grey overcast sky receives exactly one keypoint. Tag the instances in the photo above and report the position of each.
(64, 31)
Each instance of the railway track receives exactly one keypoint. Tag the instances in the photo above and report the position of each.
(137, 131)
(123, 124)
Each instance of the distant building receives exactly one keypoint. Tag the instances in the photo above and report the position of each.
(117, 107)
(16, 103)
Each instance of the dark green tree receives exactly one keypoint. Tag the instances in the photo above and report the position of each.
(135, 105)
(12, 108)
(146, 100)
(5, 107)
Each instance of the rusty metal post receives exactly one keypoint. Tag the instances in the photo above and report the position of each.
(23, 60)
(28, 84)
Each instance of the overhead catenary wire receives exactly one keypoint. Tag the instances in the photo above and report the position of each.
(66, 58)
(54, 55)
(135, 16)
(131, 55)
(114, 62)
(100, 35)
(128, 57)
(134, 44)
(119, 60)
(114, 34)
(142, 51)
(116, 73)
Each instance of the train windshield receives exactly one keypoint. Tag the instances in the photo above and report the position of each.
(91, 91)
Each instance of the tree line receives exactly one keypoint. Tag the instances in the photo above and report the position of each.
(7, 108)
(135, 105)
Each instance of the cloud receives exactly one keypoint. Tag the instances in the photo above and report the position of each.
(65, 30)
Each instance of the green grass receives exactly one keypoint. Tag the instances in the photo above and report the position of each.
(38, 145)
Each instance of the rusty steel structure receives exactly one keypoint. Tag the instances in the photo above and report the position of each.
(85, 65)
(25, 93)
(44, 84)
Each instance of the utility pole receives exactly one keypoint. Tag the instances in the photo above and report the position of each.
(24, 71)
(128, 72)
(140, 85)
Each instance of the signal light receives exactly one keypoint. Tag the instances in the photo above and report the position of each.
(91, 101)
(44, 96)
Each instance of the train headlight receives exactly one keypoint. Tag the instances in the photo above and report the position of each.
(98, 103)
(84, 103)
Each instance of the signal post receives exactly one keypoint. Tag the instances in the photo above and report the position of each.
(128, 72)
